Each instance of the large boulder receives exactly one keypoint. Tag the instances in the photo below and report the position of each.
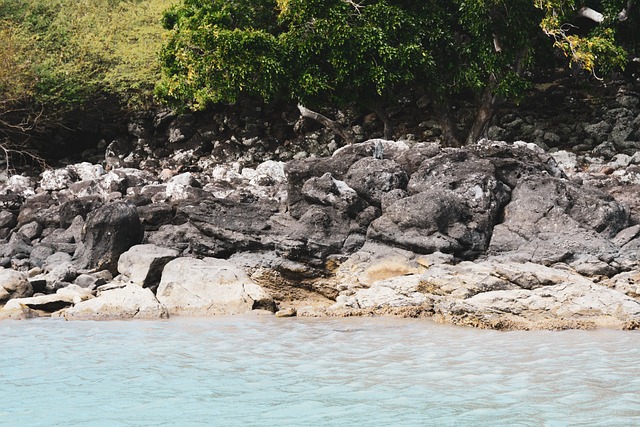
(109, 231)
(14, 284)
(130, 302)
(456, 198)
(551, 220)
(143, 264)
(371, 178)
(229, 225)
(211, 286)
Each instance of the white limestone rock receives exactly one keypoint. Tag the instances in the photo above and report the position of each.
(143, 264)
(209, 287)
(129, 302)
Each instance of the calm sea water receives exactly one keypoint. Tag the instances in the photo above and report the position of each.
(263, 371)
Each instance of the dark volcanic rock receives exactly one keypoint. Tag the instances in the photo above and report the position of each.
(551, 220)
(372, 178)
(109, 232)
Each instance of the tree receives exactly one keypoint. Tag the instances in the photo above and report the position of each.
(60, 55)
(343, 53)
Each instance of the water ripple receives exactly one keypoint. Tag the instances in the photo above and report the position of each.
(256, 371)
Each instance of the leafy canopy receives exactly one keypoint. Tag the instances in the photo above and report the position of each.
(336, 52)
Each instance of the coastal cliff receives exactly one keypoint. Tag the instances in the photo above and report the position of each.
(494, 235)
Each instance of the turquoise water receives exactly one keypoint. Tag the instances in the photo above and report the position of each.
(263, 371)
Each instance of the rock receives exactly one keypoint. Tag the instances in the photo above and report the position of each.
(41, 208)
(155, 215)
(401, 291)
(625, 236)
(89, 281)
(55, 259)
(21, 185)
(328, 191)
(86, 171)
(552, 220)
(58, 275)
(57, 179)
(129, 302)
(563, 306)
(79, 206)
(31, 231)
(227, 226)
(208, 287)
(44, 303)
(567, 161)
(181, 186)
(372, 178)
(286, 312)
(143, 264)
(17, 312)
(539, 298)
(14, 284)
(591, 266)
(109, 232)
(7, 219)
(456, 199)
(19, 246)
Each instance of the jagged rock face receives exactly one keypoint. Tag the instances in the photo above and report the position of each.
(550, 220)
(455, 201)
(109, 232)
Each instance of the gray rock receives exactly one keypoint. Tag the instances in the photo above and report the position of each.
(209, 287)
(7, 219)
(328, 191)
(551, 220)
(39, 254)
(31, 231)
(57, 179)
(89, 281)
(372, 178)
(14, 284)
(109, 232)
(143, 264)
(19, 246)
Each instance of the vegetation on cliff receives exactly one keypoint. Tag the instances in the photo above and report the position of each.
(364, 56)
(367, 54)
(57, 55)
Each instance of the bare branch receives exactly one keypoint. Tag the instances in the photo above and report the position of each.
(328, 123)
(594, 15)
(624, 15)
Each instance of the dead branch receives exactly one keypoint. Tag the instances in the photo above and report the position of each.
(594, 15)
(328, 123)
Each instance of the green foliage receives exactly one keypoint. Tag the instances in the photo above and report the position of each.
(219, 50)
(317, 52)
(598, 51)
(79, 49)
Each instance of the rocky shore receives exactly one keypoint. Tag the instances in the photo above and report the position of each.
(497, 235)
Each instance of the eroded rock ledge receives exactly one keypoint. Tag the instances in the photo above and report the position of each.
(497, 235)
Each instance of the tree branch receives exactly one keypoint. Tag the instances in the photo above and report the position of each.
(624, 15)
(594, 15)
(328, 123)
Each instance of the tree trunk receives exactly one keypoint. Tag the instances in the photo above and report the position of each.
(388, 126)
(328, 123)
(442, 111)
(484, 114)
